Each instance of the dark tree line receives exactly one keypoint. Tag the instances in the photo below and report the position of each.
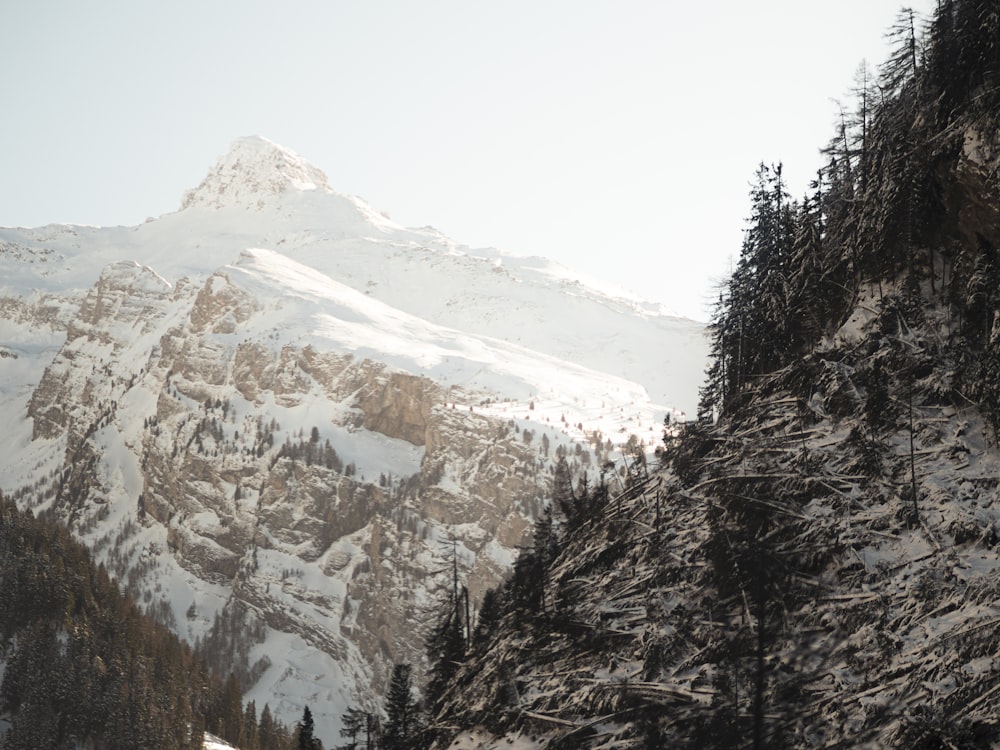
(889, 216)
(457, 640)
(85, 667)
(885, 208)
(900, 216)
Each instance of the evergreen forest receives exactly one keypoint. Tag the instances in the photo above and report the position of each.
(84, 667)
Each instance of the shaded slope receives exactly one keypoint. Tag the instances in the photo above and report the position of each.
(818, 564)
(790, 527)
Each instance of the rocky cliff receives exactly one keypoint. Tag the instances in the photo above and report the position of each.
(275, 464)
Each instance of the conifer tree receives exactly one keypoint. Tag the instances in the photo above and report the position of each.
(352, 726)
(269, 731)
(562, 489)
(446, 645)
(403, 725)
(306, 739)
(900, 69)
(531, 569)
(815, 280)
(361, 728)
(490, 612)
(751, 327)
(250, 739)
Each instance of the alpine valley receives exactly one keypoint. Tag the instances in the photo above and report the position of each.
(299, 434)
(281, 420)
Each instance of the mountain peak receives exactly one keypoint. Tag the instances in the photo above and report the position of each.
(251, 170)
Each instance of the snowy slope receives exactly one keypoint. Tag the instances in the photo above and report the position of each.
(159, 384)
(308, 308)
(261, 195)
(883, 609)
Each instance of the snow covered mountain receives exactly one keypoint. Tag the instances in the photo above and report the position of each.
(275, 414)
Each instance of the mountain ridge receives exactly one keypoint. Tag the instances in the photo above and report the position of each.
(518, 299)
(260, 425)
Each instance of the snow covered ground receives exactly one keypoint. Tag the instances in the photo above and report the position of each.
(261, 195)
(265, 257)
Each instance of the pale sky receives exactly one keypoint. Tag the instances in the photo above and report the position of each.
(617, 137)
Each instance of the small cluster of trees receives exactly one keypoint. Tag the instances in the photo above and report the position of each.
(311, 452)
(456, 641)
(879, 211)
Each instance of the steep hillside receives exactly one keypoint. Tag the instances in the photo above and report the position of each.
(791, 528)
(262, 422)
(816, 564)
(80, 666)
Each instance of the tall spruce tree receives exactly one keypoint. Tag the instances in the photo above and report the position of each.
(530, 580)
(305, 731)
(751, 327)
(490, 613)
(448, 640)
(562, 489)
(360, 728)
(403, 725)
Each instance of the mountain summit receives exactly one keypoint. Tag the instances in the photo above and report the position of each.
(275, 416)
(251, 170)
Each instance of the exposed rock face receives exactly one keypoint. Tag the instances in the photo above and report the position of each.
(252, 170)
(127, 302)
(271, 434)
(398, 405)
(976, 203)
(178, 468)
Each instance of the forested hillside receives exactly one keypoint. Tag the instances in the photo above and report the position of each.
(815, 563)
(81, 666)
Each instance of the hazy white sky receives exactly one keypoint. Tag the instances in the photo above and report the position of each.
(618, 137)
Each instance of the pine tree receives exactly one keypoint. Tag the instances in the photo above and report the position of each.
(269, 731)
(352, 727)
(403, 726)
(530, 579)
(361, 728)
(751, 327)
(446, 651)
(447, 643)
(562, 489)
(817, 282)
(900, 69)
(306, 739)
(490, 613)
(250, 739)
